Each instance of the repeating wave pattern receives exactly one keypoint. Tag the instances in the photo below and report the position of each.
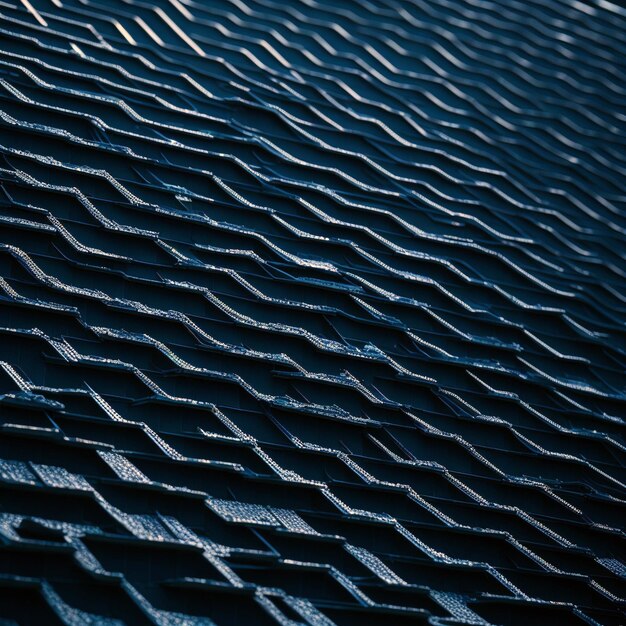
(312, 312)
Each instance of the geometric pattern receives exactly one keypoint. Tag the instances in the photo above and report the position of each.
(312, 313)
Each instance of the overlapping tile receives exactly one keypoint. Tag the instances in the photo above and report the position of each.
(312, 313)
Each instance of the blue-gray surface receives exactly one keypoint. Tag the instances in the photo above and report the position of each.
(312, 313)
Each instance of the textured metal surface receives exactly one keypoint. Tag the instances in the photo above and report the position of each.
(312, 312)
